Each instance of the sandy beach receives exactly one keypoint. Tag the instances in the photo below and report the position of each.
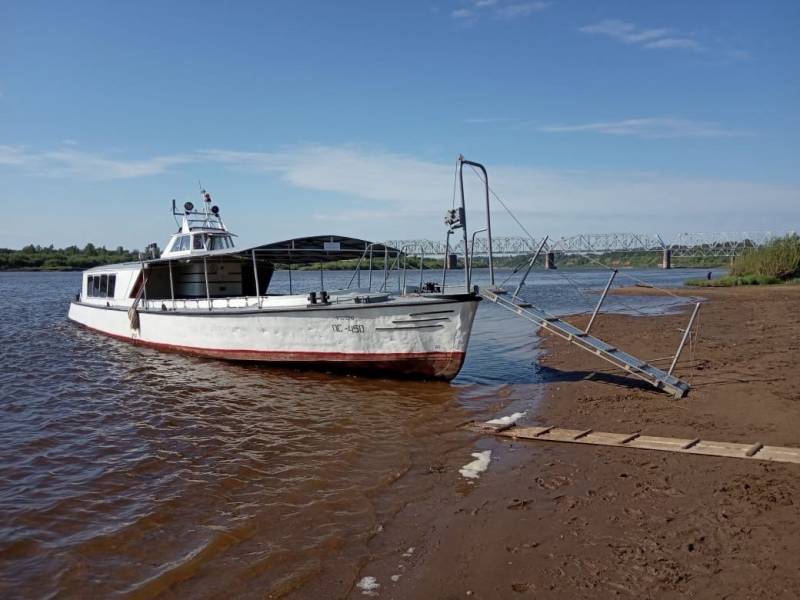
(567, 521)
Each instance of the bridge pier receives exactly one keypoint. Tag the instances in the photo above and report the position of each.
(452, 261)
(666, 259)
(550, 260)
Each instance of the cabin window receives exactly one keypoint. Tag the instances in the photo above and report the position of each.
(182, 243)
(90, 285)
(220, 242)
(96, 287)
(198, 241)
(112, 284)
(103, 285)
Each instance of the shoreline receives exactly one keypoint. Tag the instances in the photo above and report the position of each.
(551, 520)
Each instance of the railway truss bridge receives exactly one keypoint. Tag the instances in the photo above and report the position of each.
(684, 245)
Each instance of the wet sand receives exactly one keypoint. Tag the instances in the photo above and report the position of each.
(554, 520)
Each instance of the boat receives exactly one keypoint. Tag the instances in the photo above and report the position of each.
(206, 297)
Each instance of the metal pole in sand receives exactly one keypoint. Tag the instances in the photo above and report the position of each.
(685, 337)
(600, 302)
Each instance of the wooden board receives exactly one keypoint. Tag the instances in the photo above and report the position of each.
(755, 451)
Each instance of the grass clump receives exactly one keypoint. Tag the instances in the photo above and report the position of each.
(775, 262)
(780, 259)
(731, 281)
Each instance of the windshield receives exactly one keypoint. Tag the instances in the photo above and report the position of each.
(220, 242)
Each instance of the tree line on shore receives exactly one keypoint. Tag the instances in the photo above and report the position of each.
(48, 258)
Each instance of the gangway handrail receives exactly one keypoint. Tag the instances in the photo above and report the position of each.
(638, 368)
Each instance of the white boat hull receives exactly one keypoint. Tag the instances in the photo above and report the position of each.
(427, 339)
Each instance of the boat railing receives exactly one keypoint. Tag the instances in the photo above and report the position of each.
(382, 266)
(231, 303)
(396, 262)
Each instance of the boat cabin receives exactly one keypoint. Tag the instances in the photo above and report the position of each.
(200, 267)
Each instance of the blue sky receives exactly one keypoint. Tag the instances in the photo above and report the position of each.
(346, 117)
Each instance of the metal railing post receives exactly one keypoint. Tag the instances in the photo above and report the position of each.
(290, 273)
(171, 285)
(405, 266)
(205, 273)
(255, 275)
(370, 268)
(399, 286)
(446, 258)
(421, 270)
(385, 267)
(684, 338)
(600, 302)
(357, 271)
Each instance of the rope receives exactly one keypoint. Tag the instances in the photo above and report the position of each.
(629, 276)
(503, 204)
(516, 270)
(587, 256)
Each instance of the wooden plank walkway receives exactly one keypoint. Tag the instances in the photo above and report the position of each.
(755, 451)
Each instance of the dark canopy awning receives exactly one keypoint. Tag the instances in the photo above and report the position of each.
(318, 248)
(297, 251)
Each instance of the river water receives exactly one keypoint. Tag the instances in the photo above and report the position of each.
(129, 472)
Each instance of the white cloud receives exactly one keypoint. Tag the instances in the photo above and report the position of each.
(13, 156)
(68, 162)
(652, 128)
(490, 120)
(629, 33)
(474, 9)
(385, 195)
(512, 11)
(389, 195)
(462, 13)
(740, 54)
(673, 43)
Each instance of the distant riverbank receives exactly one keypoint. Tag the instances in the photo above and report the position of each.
(73, 258)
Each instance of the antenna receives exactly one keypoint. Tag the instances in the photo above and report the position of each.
(175, 214)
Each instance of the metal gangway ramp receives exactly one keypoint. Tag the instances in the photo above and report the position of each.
(636, 367)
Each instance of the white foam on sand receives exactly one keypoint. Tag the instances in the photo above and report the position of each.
(507, 420)
(368, 586)
(474, 469)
